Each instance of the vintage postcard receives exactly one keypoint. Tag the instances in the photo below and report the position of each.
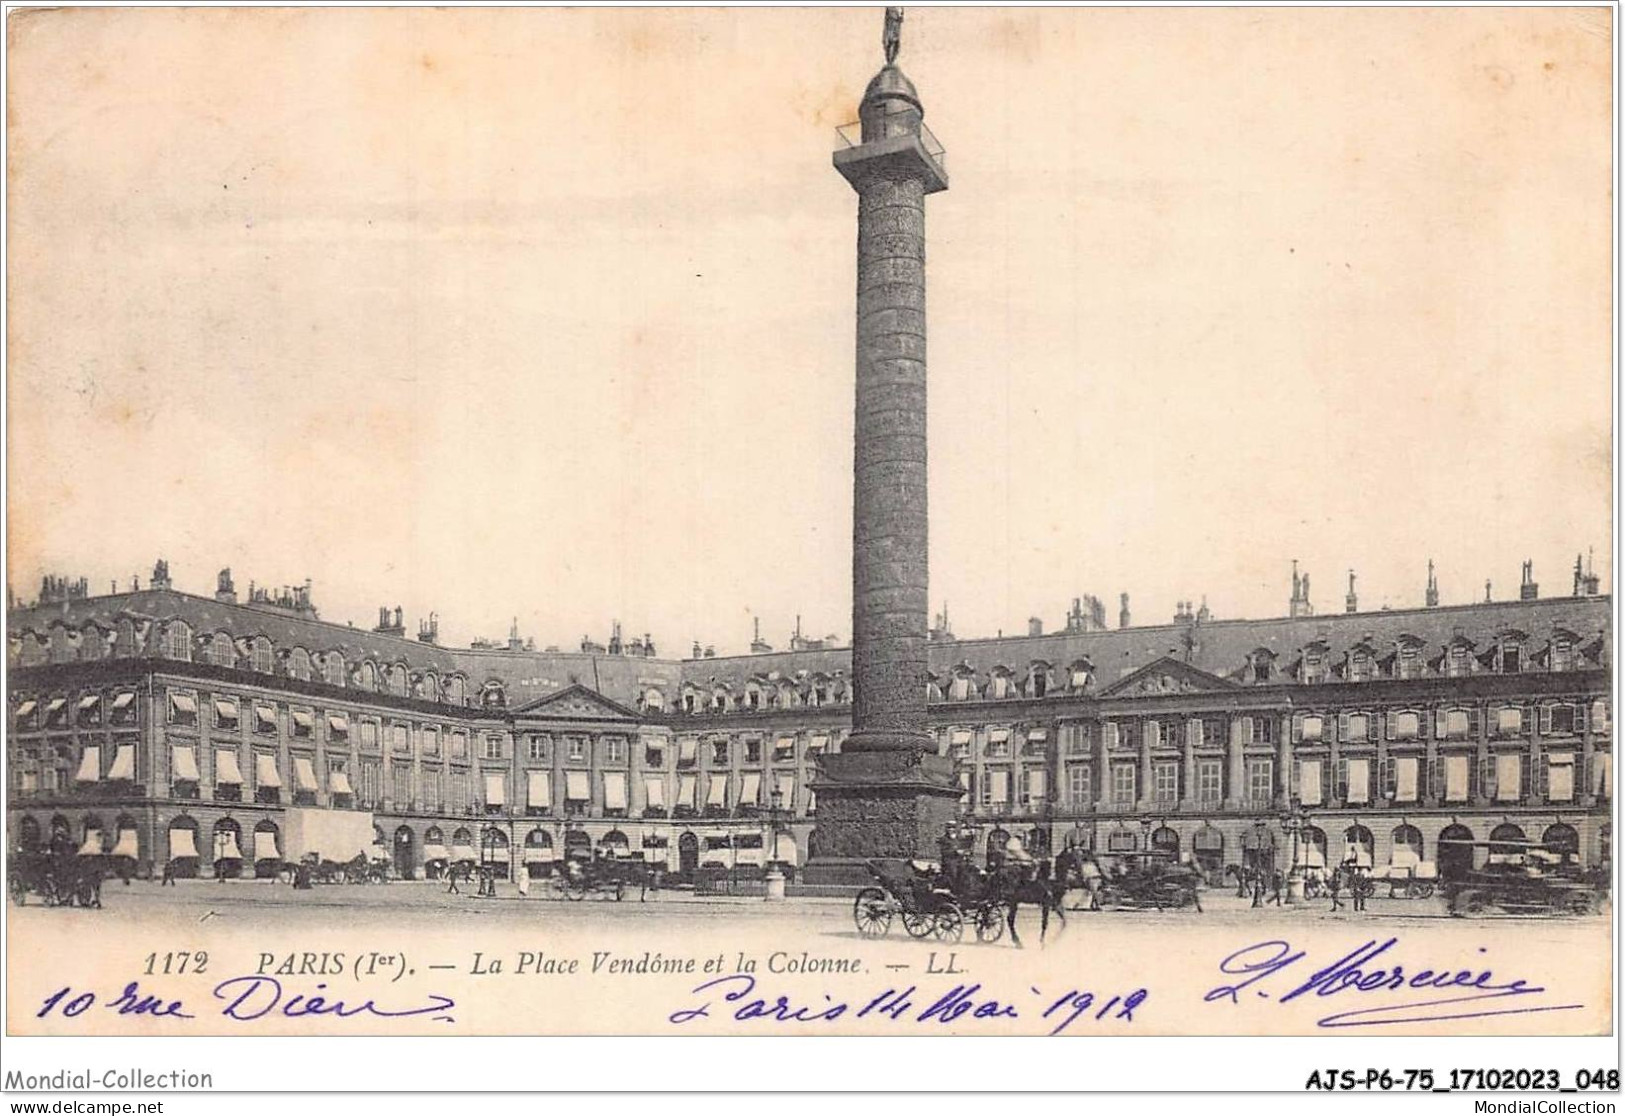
(501, 543)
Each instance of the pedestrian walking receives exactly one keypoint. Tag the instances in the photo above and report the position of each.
(451, 876)
(169, 873)
(1277, 882)
(1357, 889)
(1258, 887)
(524, 881)
(1334, 887)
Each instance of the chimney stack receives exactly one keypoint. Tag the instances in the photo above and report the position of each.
(1122, 610)
(429, 630)
(1035, 626)
(1528, 590)
(1585, 582)
(225, 592)
(758, 646)
(390, 622)
(1351, 603)
(1432, 597)
(1300, 605)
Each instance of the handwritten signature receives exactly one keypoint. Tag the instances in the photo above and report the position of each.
(244, 999)
(1356, 974)
(961, 1002)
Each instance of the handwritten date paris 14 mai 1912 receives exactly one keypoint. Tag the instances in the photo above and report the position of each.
(1380, 983)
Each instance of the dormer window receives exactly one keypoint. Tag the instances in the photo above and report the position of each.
(1511, 658)
(178, 641)
(689, 702)
(261, 655)
(1314, 666)
(1458, 662)
(1361, 666)
(333, 668)
(221, 653)
(1001, 685)
(961, 690)
(1562, 654)
(1263, 666)
(1410, 662)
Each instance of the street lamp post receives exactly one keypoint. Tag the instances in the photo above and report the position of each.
(1294, 822)
(774, 876)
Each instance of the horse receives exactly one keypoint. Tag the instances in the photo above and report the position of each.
(1015, 882)
(1075, 869)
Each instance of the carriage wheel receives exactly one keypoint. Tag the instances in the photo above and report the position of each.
(949, 924)
(871, 912)
(1469, 903)
(620, 890)
(575, 890)
(989, 923)
(918, 923)
(1424, 890)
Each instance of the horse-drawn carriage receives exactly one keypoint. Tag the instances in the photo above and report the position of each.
(609, 876)
(1143, 880)
(1524, 878)
(913, 892)
(359, 869)
(928, 903)
(59, 879)
(1406, 881)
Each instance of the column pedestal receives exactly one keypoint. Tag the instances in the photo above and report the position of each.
(879, 805)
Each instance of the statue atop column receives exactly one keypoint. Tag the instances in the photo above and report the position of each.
(892, 40)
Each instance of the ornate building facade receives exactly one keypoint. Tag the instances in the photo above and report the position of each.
(160, 725)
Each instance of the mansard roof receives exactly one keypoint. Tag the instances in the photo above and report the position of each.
(1220, 648)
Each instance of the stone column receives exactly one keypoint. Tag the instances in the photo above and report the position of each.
(889, 533)
(1188, 763)
(888, 794)
(1103, 770)
(1238, 766)
(1283, 761)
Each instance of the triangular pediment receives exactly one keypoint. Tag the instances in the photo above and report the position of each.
(1166, 676)
(577, 703)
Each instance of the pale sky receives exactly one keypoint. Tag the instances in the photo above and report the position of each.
(550, 313)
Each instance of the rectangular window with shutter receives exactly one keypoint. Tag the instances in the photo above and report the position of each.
(1508, 777)
(1406, 770)
(1558, 720)
(1109, 734)
(1153, 734)
(1313, 728)
(1123, 783)
(1193, 733)
(1560, 776)
(1359, 782)
(1080, 784)
(1209, 781)
(1404, 725)
(1602, 775)
(1167, 783)
(1311, 786)
(1260, 780)
(1455, 778)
